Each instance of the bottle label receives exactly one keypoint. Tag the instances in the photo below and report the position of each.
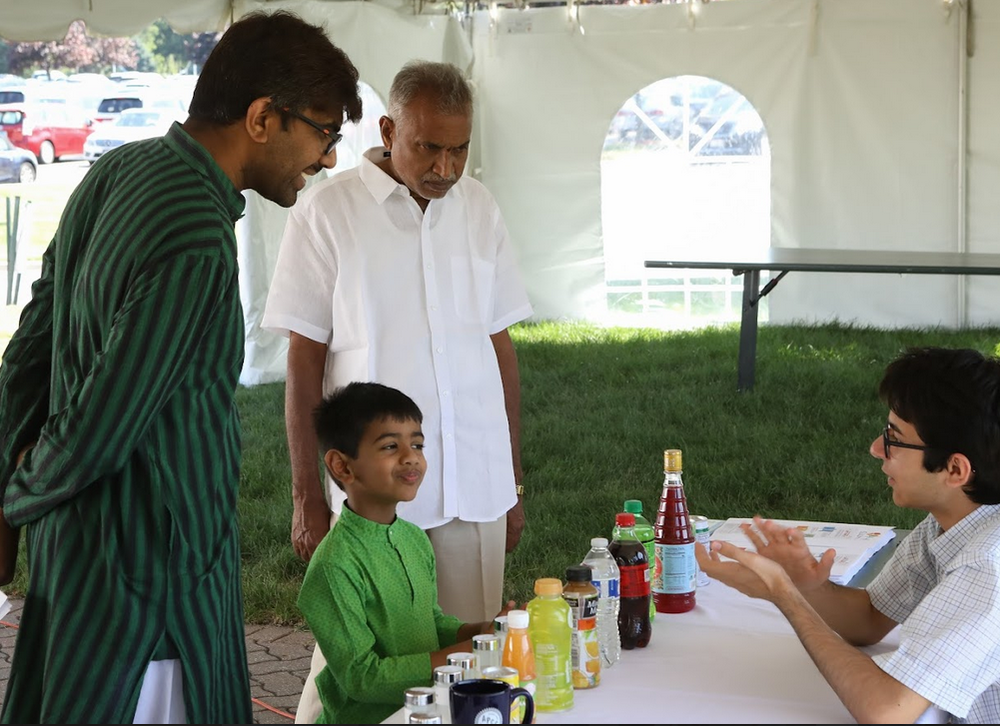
(702, 536)
(634, 580)
(586, 657)
(584, 648)
(582, 610)
(676, 570)
(553, 677)
(608, 587)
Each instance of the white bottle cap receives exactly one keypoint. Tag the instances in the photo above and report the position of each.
(517, 619)
(599, 542)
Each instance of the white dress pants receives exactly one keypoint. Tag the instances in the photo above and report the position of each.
(161, 698)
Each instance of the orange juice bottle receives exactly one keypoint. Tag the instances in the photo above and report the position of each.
(517, 652)
(582, 597)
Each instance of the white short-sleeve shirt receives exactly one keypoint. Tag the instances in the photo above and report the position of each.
(944, 590)
(409, 299)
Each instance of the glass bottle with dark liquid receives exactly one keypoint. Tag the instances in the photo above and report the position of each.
(634, 627)
(676, 570)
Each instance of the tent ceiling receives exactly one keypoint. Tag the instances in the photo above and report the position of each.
(28, 20)
(32, 20)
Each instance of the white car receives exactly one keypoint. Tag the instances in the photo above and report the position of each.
(146, 98)
(133, 124)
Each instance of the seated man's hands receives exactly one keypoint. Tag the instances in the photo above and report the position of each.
(787, 546)
(750, 573)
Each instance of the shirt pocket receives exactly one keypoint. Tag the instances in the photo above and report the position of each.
(472, 281)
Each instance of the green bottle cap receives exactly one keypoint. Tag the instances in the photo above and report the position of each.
(633, 505)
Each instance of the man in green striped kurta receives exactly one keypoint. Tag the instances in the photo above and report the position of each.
(119, 385)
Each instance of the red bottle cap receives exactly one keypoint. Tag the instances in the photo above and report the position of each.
(625, 519)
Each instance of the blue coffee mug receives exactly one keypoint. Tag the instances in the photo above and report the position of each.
(485, 700)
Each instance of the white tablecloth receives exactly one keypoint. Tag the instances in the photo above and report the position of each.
(730, 660)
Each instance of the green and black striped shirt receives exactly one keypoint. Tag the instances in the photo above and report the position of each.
(124, 368)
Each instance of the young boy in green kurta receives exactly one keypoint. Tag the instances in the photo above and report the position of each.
(370, 592)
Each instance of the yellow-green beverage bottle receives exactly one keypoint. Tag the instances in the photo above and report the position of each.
(551, 633)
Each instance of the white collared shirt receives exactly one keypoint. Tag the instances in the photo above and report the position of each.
(944, 590)
(409, 299)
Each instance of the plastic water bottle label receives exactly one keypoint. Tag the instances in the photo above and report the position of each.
(608, 587)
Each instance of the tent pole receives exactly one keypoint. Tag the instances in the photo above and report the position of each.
(963, 153)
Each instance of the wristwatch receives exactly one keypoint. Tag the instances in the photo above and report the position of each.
(519, 489)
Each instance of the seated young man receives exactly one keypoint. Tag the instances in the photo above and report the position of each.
(370, 592)
(940, 450)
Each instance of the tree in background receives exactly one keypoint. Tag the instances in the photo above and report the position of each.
(173, 52)
(76, 53)
(157, 48)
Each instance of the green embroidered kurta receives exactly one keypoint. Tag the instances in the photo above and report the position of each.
(124, 369)
(370, 598)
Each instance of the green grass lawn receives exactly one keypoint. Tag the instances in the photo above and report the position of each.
(600, 405)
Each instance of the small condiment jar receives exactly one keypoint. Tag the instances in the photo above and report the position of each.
(500, 629)
(419, 701)
(487, 650)
(444, 676)
(424, 718)
(465, 661)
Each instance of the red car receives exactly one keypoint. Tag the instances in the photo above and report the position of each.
(50, 130)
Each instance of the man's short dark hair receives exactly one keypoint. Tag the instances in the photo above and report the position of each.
(343, 416)
(952, 398)
(280, 56)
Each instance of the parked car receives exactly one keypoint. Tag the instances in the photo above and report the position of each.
(111, 106)
(16, 164)
(133, 124)
(48, 129)
(48, 75)
(734, 126)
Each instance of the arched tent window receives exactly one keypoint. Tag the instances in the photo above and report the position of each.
(685, 168)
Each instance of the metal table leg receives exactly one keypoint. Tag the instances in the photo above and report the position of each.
(748, 331)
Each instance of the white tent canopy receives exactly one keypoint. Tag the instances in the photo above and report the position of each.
(49, 19)
(881, 116)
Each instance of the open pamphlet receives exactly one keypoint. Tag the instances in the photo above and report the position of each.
(4, 605)
(855, 543)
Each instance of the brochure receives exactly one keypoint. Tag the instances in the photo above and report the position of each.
(855, 543)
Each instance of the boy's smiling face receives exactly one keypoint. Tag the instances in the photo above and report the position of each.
(388, 468)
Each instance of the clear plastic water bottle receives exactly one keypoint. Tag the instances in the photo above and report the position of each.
(606, 579)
